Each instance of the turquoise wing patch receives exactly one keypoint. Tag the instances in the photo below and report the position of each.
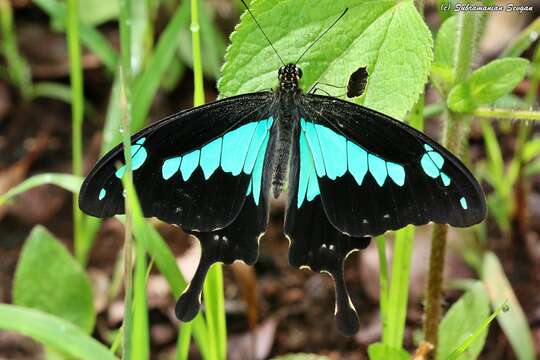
(323, 152)
(240, 150)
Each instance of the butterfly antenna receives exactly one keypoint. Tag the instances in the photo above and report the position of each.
(260, 28)
(320, 36)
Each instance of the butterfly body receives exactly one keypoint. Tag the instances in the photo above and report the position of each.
(351, 173)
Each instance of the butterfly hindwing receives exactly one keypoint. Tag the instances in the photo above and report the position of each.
(375, 173)
(315, 242)
(192, 169)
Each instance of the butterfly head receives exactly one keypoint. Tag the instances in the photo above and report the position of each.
(289, 76)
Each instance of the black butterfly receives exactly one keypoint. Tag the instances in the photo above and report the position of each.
(351, 173)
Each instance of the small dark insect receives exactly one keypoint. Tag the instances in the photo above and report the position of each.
(357, 82)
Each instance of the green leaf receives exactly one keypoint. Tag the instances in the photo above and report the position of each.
(464, 317)
(531, 149)
(513, 322)
(69, 182)
(380, 351)
(487, 84)
(442, 72)
(388, 37)
(53, 332)
(49, 279)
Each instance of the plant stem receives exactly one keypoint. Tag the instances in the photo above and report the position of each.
(383, 282)
(125, 109)
(77, 109)
(508, 114)
(466, 23)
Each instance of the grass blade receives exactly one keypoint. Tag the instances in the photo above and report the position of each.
(53, 332)
(399, 287)
(514, 323)
(77, 109)
(90, 37)
(476, 334)
(66, 181)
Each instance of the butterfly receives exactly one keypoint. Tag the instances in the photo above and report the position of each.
(351, 173)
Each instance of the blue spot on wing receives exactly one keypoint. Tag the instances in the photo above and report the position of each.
(377, 168)
(138, 157)
(307, 182)
(314, 146)
(235, 147)
(256, 177)
(334, 151)
(396, 173)
(102, 193)
(255, 144)
(190, 161)
(463, 203)
(170, 167)
(429, 166)
(445, 179)
(210, 157)
(358, 163)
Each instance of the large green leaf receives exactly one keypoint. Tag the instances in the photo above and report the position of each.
(54, 332)
(49, 279)
(513, 322)
(463, 318)
(388, 37)
(487, 84)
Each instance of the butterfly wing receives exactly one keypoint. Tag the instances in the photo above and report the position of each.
(202, 169)
(192, 169)
(375, 173)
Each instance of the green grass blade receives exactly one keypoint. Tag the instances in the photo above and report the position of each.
(383, 281)
(66, 181)
(513, 322)
(53, 332)
(17, 68)
(147, 84)
(399, 287)
(476, 334)
(77, 109)
(182, 345)
(90, 37)
(213, 285)
(141, 337)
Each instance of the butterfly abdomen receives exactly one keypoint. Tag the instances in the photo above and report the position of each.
(283, 135)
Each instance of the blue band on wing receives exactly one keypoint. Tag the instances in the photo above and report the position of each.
(241, 149)
(323, 152)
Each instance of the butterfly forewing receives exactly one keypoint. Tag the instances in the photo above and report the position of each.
(375, 174)
(194, 169)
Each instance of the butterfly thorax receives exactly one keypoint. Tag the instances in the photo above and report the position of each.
(287, 117)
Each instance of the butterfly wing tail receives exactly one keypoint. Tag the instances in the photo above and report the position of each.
(315, 243)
